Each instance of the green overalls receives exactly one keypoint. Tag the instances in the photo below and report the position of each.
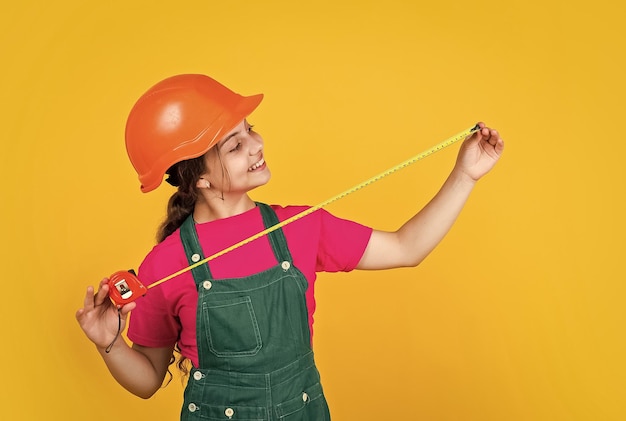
(254, 347)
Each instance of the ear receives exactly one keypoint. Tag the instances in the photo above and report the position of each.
(203, 183)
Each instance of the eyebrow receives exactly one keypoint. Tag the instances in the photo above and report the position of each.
(223, 142)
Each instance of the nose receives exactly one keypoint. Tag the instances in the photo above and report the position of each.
(255, 144)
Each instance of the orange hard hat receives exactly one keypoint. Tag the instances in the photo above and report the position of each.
(181, 118)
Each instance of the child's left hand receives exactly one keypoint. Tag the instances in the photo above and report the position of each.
(480, 152)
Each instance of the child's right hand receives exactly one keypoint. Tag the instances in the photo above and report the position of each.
(99, 316)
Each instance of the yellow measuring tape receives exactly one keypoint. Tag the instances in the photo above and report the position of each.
(451, 140)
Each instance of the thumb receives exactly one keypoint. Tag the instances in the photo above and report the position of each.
(127, 308)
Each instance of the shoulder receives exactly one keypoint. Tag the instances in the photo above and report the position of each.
(310, 216)
(165, 258)
(318, 221)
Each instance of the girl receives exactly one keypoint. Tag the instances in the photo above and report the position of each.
(245, 319)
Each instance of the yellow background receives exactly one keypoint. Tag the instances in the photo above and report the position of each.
(518, 315)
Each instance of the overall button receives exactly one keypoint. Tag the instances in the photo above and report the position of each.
(305, 397)
(197, 375)
(229, 412)
(195, 258)
(285, 265)
(207, 284)
(192, 407)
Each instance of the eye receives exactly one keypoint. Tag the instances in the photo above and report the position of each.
(249, 129)
(237, 147)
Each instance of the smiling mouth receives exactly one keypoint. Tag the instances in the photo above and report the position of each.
(257, 165)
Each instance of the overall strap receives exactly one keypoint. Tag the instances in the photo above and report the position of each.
(276, 237)
(193, 250)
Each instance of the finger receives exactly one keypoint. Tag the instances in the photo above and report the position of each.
(88, 303)
(475, 136)
(127, 308)
(499, 147)
(485, 132)
(488, 135)
(103, 292)
(79, 314)
(493, 137)
(476, 133)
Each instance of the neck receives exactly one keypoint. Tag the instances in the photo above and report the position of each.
(216, 208)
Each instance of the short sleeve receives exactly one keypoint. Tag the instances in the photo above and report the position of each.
(341, 243)
(152, 323)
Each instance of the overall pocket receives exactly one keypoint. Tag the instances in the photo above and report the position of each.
(232, 327)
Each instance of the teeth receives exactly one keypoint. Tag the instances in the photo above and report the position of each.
(257, 165)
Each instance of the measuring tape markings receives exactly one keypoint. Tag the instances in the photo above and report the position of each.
(418, 157)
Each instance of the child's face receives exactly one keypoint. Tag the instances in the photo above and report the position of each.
(236, 164)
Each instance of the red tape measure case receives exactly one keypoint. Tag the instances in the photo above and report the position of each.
(125, 287)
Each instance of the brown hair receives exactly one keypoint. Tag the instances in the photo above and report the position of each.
(184, 175)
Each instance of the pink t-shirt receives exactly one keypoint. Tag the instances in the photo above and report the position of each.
(319, 242)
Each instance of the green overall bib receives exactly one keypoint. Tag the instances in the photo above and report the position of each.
(254, 348)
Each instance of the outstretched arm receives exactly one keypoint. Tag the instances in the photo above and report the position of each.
(409, 245)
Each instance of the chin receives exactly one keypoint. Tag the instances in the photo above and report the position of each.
(268, 176)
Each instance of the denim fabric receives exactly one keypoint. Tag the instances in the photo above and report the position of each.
(254, 348)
